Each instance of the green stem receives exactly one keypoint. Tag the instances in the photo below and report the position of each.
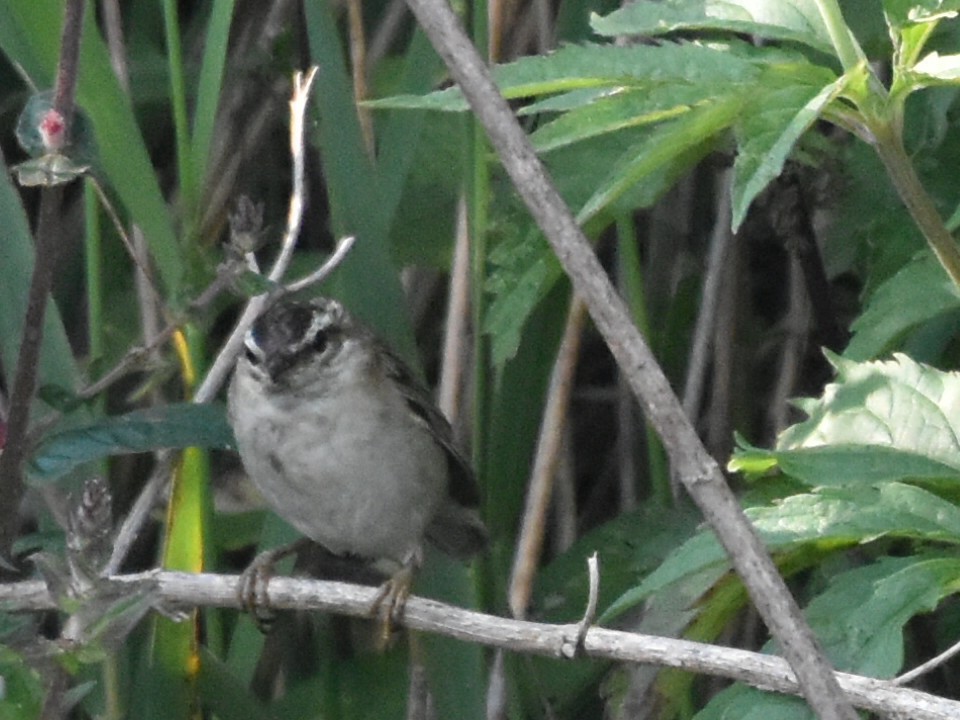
(922, 210)
(847, 48)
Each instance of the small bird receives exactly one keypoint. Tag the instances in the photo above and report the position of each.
(346, 445)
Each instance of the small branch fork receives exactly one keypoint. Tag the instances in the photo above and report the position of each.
(175, 590)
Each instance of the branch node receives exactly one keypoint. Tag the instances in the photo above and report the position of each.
(574, 647)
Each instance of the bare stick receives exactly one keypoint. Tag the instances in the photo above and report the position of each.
(186, 590)
(927, 666)
(540, 490)
(224, 361)
(699, 472)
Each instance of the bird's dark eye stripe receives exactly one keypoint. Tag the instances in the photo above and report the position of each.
(320, 340)
(251, 355)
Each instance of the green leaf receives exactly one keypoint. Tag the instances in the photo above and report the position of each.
(897, 403)
(859, 621)
(524, 270)
(844, 464)
(793, 20)
(942, 68)
(171, 426)
(665, 143)
(901, 13)
(880, 421)
(210, 82)
(617, 109)
(23, 687)
(577, 67)
(829, 518)
(770, 127)
(897, 307)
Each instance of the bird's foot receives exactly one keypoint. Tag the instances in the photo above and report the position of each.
(391, 599)
(252, 587)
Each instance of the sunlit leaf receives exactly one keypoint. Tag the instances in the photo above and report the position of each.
(794, 20)
(944, 68)
(907, 12)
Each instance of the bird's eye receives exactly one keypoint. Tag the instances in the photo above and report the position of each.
(251, 355)
(319, 342)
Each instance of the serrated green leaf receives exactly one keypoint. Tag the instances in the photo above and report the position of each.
(664, 144)
(897, 306)
(170, 426)
(615, 110)
(793, 20)
(879, 422)
(899, 404)
(778, 116)
(830, 518)
(577, 67)
(525, 268)
(859, 620)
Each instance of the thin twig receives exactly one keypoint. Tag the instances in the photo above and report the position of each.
(48, 247)
(924, 668)
(700, 474)
(769, 672)
(590, 612)
(720, 240)
(224, 361)
(530, 544)
(452, 371)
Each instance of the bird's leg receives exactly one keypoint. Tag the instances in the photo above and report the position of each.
(392, 597)
(252, 587)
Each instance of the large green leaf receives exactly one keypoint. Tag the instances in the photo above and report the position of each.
(794, 20)
(880, 421)
(900, 13)
(829, 518)
(170, 426)
(897, 306)
(859, 620)
(896, 403)
(574, 67)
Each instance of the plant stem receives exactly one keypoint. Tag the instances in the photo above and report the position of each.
(904, 177)
(48, 245)
(847, 49)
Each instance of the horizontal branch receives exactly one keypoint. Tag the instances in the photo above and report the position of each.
(176, 590)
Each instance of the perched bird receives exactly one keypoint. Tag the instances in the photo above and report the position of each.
(346, 445)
